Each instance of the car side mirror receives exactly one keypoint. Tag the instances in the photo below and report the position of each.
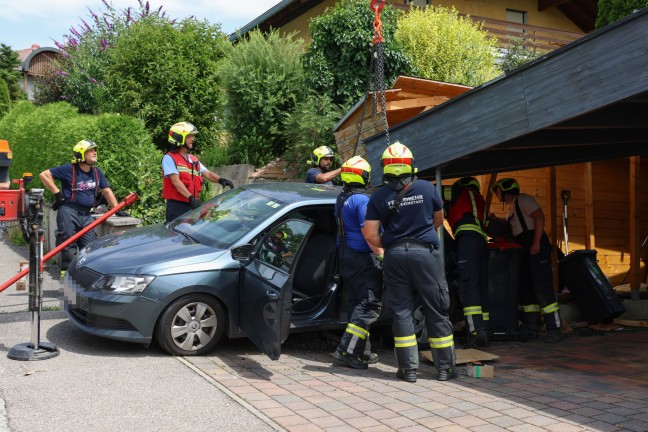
(242, 253)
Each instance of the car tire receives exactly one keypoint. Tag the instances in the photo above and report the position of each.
(191, 326)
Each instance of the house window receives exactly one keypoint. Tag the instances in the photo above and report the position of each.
(419, 3)
(519, 17)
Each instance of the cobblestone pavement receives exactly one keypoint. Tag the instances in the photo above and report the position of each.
(585, 383)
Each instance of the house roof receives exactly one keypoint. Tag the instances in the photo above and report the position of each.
(585, 101)
(581, 12)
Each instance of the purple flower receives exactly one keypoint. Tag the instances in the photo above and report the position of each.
(63, 97)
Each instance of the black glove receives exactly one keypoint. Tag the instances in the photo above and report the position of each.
(59, 199)
(122, 213)
(194, 202)
(225, 183)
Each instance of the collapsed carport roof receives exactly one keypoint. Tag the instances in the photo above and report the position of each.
(583, 102)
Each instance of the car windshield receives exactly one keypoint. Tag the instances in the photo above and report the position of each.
(223, 220)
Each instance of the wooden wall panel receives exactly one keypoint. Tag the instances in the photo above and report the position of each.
(611, 209)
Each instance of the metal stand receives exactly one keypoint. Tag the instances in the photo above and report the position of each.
(565, 196)
(34, 350)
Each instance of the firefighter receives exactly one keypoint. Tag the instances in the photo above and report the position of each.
(183, 173)
(82, 183)
(536, 278)
(321, 163)
(410, 211)
(467, 218)
(358, 267)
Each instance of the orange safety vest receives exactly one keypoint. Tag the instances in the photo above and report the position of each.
(189, 173)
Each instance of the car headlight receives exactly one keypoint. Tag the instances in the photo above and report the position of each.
(122, 284)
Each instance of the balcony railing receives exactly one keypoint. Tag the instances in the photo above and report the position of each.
(541, 38)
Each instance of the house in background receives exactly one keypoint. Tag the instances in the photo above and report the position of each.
(36, 62)
(546, 24)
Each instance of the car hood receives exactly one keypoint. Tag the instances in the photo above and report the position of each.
(144, 250)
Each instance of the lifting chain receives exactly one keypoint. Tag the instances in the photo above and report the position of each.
(377, 65)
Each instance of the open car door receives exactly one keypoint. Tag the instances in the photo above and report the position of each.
(266, 287)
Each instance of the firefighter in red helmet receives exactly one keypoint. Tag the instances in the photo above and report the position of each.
(467, 218)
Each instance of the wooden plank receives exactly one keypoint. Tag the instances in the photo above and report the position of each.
(631, 323)
(590, 237)
(414, 103)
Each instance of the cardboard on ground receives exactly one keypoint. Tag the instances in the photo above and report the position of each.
(465, 356)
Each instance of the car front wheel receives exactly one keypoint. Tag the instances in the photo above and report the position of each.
(191, 325)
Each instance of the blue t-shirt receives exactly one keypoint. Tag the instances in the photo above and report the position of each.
(85, 183)
(314, 172)
(415, 217)
(353, 218)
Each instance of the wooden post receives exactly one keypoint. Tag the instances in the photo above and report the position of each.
(550, 220)
(635, 226)
(590, 238)
(487, 193)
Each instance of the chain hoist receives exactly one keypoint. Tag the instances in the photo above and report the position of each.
(377, 65)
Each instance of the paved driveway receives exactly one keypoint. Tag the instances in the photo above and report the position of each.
(102, 385)
(589, 382)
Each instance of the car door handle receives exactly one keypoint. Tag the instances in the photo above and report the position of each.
(272, 295)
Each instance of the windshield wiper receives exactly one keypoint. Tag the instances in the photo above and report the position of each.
(187, 236)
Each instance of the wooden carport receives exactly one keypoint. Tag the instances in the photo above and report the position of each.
(585, 102)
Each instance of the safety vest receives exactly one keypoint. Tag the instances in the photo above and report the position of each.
(468, 202)
(189, 173)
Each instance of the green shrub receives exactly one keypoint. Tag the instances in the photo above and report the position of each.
(264, 79)
(518, 53)
(310, 126)
(43, 137)
(447, 47)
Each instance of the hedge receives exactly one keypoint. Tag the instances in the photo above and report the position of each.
(43, 137)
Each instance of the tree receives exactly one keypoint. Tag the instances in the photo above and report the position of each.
(264, 80)
(5, 100)
(337, 61)
(166, 72)
(447, 47)
(309, 126)
(9, 61)
(610, 11)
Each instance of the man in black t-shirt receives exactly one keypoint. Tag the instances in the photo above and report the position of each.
(410, 211)
(81, 184)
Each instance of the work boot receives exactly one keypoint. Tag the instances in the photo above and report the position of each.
(370, 357)
(553, 336)
(447, 374)
(527, 333)
(408, 375)
(477, 338)
(349, 360)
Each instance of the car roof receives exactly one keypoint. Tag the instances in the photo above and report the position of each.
(289, 192)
